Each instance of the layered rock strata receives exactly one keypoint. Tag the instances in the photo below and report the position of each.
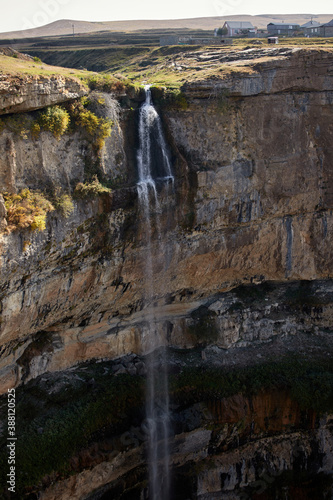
(253, 203)
(26, 93)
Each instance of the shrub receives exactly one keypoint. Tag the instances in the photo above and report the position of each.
(89, 121)
(55, 119)
(222, 31)
(90, 189)
(64, 204)
(26, 209)
(103, 131)
(37, 59)
(97, 128)
(19, 124)
(39, 223)
(35, 130)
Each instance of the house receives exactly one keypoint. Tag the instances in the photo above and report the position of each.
(287, 29)
(233, 28)
(311, 28)
(326, 29)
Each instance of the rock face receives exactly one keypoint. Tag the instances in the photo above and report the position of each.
(26, 93)
(235, 447)
(46, 163)
(50, 164)
(248, 262)
(253, 203)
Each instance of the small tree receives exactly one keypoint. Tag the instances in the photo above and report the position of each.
(222, 31)
(55, 119)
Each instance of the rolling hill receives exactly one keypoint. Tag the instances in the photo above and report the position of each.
(65, 26)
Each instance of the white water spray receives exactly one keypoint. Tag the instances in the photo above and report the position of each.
(154, 167)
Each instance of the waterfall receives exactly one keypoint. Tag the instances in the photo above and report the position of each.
(155, 175)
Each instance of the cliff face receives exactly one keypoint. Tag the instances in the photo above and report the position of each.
(256, 443)
(263, 170)
(221, 468)
(59, 163)
(253, 203)
(248, 263)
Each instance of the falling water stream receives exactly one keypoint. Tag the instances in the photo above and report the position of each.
(155, 176)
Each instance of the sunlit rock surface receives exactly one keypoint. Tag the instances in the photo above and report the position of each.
(249, 267)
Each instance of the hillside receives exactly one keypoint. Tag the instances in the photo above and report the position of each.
(13, 63)
(65, 26)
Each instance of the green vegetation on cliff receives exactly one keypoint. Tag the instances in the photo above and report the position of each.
(60, 119)
(91, 189)
(26, 209)
(54, 119)
(54, 426)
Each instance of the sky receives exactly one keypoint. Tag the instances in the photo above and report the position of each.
(25, 14)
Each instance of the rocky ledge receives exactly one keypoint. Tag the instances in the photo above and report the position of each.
(26, 93)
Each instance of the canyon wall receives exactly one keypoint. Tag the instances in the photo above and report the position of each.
(248, 258)
(253, 203)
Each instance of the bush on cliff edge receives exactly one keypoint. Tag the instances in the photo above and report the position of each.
(26, 209)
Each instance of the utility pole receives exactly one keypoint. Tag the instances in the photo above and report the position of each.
(73, 30)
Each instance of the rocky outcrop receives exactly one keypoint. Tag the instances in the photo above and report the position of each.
(10, 52)
(45, 163)
(26, 93)
(252, 72)
(56, 164)
(203, 475)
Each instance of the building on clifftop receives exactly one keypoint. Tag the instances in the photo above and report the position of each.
(326, 29)
(311, 28)
(233, 28)
(286, 29)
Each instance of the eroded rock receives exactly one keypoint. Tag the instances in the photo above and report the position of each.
(26, 93)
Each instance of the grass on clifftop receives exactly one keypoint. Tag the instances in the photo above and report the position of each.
(16, 67)
(175, 65)
(94, 81)
(171, 66)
